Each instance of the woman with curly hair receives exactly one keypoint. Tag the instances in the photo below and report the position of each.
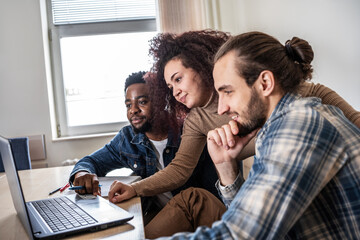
(183, 64)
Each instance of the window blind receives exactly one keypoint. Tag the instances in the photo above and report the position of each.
(89, 11)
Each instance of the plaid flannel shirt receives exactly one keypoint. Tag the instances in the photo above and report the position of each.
(304, 183)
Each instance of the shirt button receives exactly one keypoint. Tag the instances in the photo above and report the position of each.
(167, 151)
(135, 165)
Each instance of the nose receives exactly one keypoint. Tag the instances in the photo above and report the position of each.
(176, 91)
(134, 109)
(222, 106)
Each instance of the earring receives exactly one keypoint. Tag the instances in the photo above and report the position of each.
(167, 106)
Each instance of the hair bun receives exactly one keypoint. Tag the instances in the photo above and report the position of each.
(301, 53)
(299, 50)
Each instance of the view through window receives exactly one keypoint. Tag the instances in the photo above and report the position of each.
(94, 73)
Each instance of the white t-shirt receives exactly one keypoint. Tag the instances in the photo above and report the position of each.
(159, 147)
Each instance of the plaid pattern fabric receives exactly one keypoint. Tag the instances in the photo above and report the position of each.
(304, 183)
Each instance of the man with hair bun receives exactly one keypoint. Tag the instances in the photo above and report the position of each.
(304, 183)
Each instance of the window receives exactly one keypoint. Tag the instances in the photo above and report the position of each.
(96, 45)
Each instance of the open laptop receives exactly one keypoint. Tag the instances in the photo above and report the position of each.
(89, 214)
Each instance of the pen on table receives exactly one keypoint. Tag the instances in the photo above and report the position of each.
(79, 187)
(58, 189)
(64, 187)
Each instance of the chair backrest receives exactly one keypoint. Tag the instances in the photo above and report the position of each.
(20, 149)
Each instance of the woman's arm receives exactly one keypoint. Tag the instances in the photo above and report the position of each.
(330, 97)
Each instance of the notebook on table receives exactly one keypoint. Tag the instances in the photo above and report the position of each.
(58, 217)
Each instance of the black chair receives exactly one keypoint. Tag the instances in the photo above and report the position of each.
(21, 153)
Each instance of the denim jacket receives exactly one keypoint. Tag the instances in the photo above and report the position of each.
(127, 149)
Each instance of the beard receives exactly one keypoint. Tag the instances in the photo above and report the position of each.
(144, 128)
(256, 115)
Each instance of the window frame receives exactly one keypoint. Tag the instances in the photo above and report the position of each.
(55, 33)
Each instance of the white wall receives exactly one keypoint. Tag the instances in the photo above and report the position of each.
(332, 27)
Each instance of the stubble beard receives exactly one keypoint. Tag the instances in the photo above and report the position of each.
(256, 115)
(146, 127)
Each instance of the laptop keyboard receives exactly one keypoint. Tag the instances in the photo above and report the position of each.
(62, 214)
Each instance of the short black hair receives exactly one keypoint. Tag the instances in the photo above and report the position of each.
(136, 77)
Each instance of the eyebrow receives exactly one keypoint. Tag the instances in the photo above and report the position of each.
(223, 87)
(138, 97)
(172, 76)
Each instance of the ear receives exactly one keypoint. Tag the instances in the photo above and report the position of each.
(266, 83)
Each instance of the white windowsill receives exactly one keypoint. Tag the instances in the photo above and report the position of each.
(96, 135)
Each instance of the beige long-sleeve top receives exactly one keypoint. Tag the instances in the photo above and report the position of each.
(200, 121)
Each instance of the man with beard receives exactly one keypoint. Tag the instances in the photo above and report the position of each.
(304, 183)
(146, 146)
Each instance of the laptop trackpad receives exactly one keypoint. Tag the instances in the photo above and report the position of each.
(99, 208)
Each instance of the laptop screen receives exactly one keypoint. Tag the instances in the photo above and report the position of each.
(14, 182)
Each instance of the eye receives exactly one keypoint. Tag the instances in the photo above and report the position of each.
(128, 106)
(143, 102)
(178, 79)
(227, 92)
